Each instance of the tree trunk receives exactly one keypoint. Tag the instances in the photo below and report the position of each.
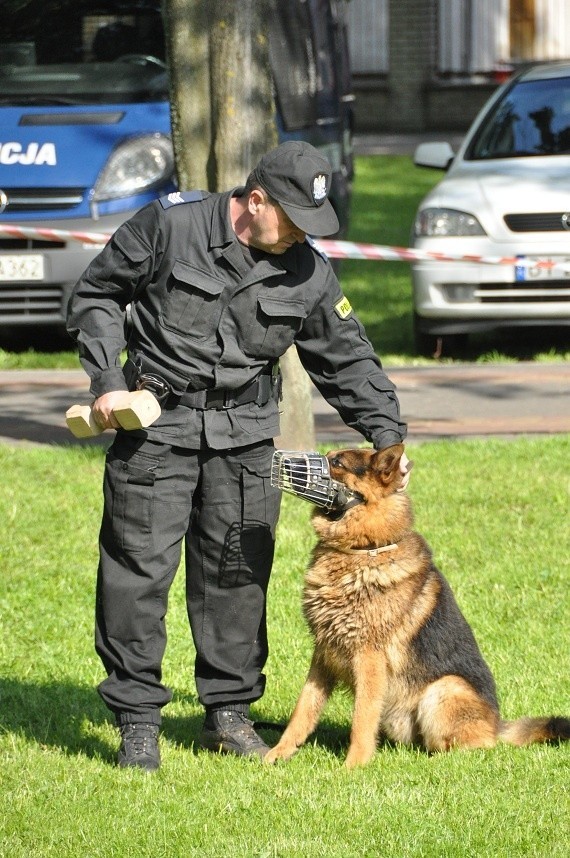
(297, 419)
(223, 120)
(243, 110)
(187, 31)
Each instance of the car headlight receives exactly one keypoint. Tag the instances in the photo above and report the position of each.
(443, 222)
(134, 166)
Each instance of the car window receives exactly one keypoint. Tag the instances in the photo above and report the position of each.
(533, 118)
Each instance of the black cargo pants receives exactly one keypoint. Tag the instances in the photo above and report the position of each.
(222, 507)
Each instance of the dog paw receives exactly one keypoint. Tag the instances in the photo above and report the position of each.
(270, 757)
(356, 759)
(277, 753)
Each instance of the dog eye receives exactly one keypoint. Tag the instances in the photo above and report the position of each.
(336, 462)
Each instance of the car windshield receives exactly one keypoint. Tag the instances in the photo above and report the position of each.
(81, 52)
(533, 118)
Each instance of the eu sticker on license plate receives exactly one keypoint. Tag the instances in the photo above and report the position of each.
(21, 267)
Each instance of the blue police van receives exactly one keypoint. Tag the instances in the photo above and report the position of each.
(85, 128)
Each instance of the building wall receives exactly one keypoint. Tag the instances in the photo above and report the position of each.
(407, 96)
(437, 69)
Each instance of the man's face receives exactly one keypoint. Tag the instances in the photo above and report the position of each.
(271, 230)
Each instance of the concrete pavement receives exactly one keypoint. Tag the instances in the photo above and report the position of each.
(455, 401)
(402, 144)
(473, 400)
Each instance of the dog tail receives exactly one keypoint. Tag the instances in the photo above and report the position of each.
(526, 731)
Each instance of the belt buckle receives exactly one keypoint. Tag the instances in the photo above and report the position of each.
(217, 399)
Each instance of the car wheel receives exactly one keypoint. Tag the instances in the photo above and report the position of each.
(437, 345)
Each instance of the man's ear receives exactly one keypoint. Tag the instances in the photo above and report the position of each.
(255, 199)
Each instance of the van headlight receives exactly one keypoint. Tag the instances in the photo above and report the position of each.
(443, 222)
(136, 165)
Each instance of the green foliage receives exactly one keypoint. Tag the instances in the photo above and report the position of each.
(496, 515)
(32, 359)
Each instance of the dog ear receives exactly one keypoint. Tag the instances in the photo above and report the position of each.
(386, 462)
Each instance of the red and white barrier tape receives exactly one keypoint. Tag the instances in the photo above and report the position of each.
(333, 249)
(54, 234)
(349, 250)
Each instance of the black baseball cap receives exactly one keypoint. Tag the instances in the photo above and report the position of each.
(298, 177)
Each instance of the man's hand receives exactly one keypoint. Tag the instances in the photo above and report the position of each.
(103, 407)
(405, 468)
(116, 409)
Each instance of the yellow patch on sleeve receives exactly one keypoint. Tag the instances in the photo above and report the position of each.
(343, 308)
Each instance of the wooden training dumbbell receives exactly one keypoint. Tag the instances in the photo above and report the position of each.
(139, 410)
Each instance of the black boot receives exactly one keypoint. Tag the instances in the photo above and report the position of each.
(139, 746)
(229, 730)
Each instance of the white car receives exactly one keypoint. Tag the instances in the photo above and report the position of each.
(506, 194)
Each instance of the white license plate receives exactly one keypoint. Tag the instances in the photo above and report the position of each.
(14, 268)
(531, 271)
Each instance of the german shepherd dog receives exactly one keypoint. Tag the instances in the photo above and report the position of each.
(386, 624)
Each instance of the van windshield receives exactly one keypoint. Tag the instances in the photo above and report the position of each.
(78, 52)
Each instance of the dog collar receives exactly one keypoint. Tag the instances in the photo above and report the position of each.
(372, 552)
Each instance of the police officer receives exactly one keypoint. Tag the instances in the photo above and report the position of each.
(219, 286)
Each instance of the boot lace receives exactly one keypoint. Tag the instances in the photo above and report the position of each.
(142, 738)
(238, 724)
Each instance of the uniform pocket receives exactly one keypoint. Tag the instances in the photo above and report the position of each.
(249, 543)
(130, 245)
(276, 323)
(261, 499)
(130, 487)
(192, 296)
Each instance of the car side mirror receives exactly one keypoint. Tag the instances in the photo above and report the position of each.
(437, 155)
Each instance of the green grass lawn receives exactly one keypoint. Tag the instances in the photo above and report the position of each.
(387, 190)
(496, 515)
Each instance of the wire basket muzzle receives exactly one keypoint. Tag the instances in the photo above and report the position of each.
(307, 475)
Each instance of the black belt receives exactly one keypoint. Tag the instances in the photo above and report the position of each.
(266, 386)
(260, 391)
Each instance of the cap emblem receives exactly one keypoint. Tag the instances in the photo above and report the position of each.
(319, 187)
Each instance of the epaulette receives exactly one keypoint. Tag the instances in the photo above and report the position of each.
(177, 197)
(311, 241)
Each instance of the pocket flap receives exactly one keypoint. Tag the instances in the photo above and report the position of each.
(199, 280)
(278, 307)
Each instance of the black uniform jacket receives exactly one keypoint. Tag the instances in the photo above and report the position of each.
(202, 317)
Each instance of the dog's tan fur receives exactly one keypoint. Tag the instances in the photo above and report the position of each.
(386, 625)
